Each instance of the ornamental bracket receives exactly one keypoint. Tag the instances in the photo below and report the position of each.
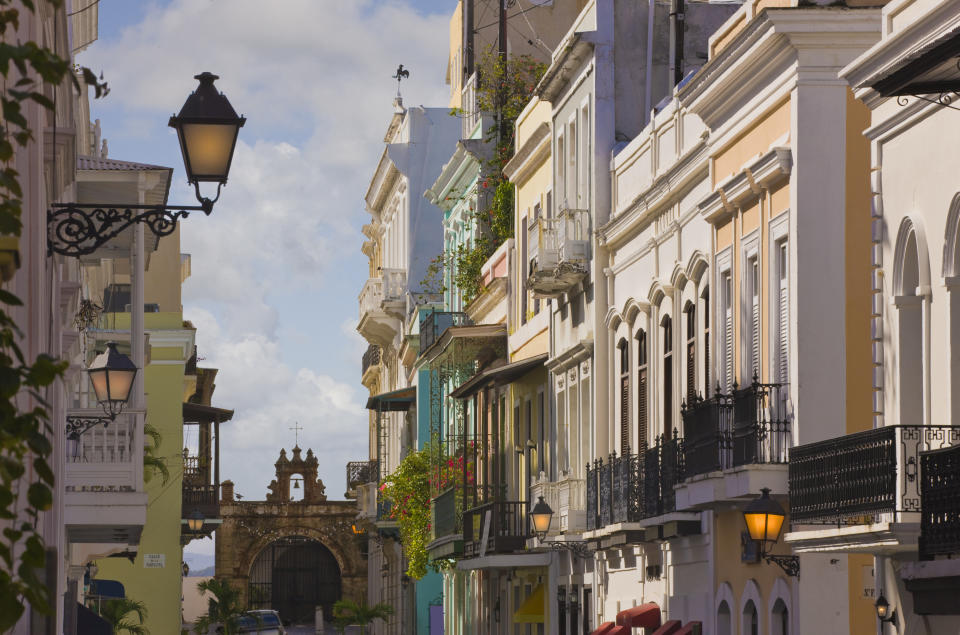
(77, 425)
(79, 229)
(789, 564)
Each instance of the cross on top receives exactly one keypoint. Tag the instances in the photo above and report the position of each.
(296, 433)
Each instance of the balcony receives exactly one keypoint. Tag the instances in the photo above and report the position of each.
(559, 252)
(735, 443)
(867, 487)
(435, 323)
(105, 501)
(566, 497)
(939, 512)
(636, 489)
(382, 305)
(198, 493)
(495, 527)
(371, 359)
(360, 473)
(446, 525)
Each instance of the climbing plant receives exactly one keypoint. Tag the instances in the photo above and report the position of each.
(407, 489)
(504, 88)
(26, 479)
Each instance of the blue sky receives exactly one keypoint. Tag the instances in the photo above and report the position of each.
(277, 266)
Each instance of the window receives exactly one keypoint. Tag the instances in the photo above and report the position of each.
(752, 367)
(750, 624)
(726, 309)
(561, 167)
(541, 434)
(584, 167)
(624, 397)
(691, 313)
(780, 619)
(526, 268)
(571, 198)
(724, 626)
(536, 301)
(641, 390)
(705, 299)
(782, 295)
(667, 383)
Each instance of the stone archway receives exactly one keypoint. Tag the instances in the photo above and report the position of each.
(294, 575)
(291, 556)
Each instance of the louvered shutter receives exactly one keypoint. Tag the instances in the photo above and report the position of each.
(642, 409)
(728, 347)
(624, 414)
(755, 337)
(691, 370)
(783, 330)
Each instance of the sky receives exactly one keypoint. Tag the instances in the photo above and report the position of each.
(277, 267)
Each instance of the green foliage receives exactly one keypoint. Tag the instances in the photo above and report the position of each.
(153, 464)
(347, 613)
(408, 490)
(223, 607)
(24, 427)
(121, 612)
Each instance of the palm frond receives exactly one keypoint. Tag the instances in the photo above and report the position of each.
(155, 465)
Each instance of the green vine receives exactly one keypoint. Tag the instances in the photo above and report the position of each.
(408, 490)
(504, 89)
(26, 479)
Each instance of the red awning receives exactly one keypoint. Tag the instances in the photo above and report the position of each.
(692, 628)
(643, 616)
(620, 630)
(604, 629)
(670, 628)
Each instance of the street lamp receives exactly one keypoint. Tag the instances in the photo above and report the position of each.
(540, 518)
(195, 521)
(207, 127)
(764, 519)
(111, 374)
(884, 614)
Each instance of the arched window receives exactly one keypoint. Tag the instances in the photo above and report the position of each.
(624, 397)
(642, 390)
(750, 620)
(910, 276)
(705, 299)
(724, 621)
(691, 313)
(667, 381)
(780, 619)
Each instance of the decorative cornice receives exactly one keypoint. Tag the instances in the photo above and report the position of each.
(574, 50)
(530, 155)
(577, 353)
(769, 169)
(651, 202)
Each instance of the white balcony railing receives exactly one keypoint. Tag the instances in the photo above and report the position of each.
(543, 239)
(106, 458)
(567, 498)
(371, 296)
(394, 284)
(574, 236)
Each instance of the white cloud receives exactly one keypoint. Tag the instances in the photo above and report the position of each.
(313, 79)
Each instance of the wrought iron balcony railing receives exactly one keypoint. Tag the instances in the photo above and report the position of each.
(370, 358)
(447, 519)
(502, 524)
(632, 487)
(863, 477)
(435, 323)
(939, 511)
(362, 472)
(748, 426)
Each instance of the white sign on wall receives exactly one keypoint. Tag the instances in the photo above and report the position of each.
(154, 560)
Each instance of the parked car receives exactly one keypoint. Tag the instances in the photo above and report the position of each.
(262, 621)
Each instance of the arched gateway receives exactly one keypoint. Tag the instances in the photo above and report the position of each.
(291, 556)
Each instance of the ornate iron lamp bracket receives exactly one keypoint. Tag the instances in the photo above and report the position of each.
(76, 426)
(79, 229)
(789, 564)
(578, 549)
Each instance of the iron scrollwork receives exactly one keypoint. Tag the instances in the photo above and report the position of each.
(578, 549)
(76, 426)
(80, 229)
